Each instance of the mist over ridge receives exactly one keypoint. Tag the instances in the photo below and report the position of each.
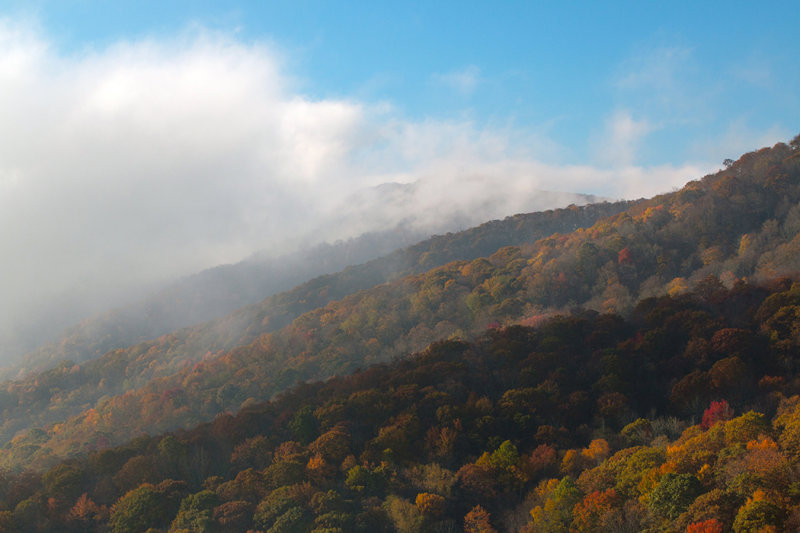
(218, 291)
(730, 229)
(126, 166)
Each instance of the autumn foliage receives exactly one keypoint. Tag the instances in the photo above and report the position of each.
(584, 422)
(718, 411)
(706, 526)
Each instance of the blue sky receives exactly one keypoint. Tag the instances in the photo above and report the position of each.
(699, 74)
(145, 140)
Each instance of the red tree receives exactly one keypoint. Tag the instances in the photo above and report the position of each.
(716, 412)
(707, 526)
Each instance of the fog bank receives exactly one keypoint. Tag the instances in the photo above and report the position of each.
(127, 166)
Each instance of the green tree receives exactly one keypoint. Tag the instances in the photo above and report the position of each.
(294, 520)
(634, 466)
(333, 521)
(235, 515)
(674, 493)
(363, 480)
(756, 515)
(639, 432)
(747, 427)
(275, 505)
(405, 516)
(30, 516)
(195, 514)
(304, 425)
(64, 482)
(504, 461)
(284, 473)
(555, 513)
(7, 524)
(138, 510)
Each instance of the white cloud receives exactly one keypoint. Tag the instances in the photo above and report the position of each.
(623, 135)
(155, 158)
(654, 68)
(757, 73)
(665, 84)
(664, 96)
(464, 80)
(738, 138)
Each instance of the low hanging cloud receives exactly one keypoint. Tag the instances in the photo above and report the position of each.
(621, 139)
(152, 159)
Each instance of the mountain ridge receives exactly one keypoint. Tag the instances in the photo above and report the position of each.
(68, 389)
(742, 221)
(216, 292)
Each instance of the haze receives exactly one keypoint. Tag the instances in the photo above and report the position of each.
(127, 164)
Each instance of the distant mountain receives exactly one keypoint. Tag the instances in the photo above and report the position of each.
(743, 222)
(219, 291)
(55, 394)
(203, 296)
(440, 205)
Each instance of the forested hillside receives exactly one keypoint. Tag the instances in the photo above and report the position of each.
(742, 222)
(53, 395)
(219, 291)
(684, 417)
(210, 294)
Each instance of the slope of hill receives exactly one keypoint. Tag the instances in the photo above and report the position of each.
(69, 389)
(741, 222)
(219, 291)
(524, 429)
(210, 294)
